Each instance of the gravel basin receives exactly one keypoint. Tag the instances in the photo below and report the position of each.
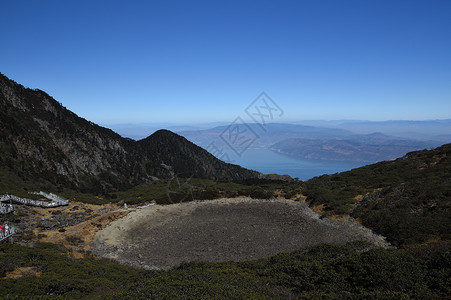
(163, 236)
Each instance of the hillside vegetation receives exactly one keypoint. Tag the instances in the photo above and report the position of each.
(387, 197)
(327, 271)
(407, 200)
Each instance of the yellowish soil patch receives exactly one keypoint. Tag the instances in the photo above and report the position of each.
(436, 158)
(358, 198)
(432, 240)
(77, 254)
(23, 272)
(278, 193)
(299, 197)
(340, 218)
(79, 236)
(319, 209)
(358, 221)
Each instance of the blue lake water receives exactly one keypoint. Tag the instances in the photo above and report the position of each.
(267, 162)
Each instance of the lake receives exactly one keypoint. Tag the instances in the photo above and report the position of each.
(267, 162)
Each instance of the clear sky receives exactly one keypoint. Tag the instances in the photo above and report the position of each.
(205, 61)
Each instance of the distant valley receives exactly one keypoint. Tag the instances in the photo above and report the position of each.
(356, 141)
(319, 143)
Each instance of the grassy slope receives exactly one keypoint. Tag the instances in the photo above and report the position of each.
(322, 271)
(407, 200)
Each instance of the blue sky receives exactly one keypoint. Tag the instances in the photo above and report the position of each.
(205, 61)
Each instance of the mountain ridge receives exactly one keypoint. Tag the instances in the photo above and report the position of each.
(41, 140)
(317, 143)
(368, 148)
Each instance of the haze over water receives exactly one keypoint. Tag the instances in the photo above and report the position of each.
(268, 162)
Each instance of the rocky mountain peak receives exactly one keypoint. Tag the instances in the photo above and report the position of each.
(42, 140)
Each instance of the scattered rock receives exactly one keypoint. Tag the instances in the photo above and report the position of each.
(220, 230)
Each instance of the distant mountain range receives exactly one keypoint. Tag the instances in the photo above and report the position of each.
(435, 130)
(272, 133)
(366, 148)
(42, 141)
(432, 130)
(314, 142)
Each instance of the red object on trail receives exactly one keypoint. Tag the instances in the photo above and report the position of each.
(2, 228)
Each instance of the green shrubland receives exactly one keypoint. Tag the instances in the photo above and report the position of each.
(355, 270)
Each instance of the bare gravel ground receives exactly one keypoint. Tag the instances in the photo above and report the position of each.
(161, 237)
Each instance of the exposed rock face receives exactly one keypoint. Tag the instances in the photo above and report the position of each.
(40, 139)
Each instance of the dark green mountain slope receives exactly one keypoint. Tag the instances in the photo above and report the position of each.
(407, 200)
(191, 160)
(42, 141)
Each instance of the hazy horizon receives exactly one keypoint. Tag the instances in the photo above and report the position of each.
(142, 130)
(226, 122)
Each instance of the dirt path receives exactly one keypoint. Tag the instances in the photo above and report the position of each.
(160, 237)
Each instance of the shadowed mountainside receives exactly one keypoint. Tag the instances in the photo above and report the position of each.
(42, 141)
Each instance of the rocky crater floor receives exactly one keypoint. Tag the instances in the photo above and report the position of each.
(161, 237)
